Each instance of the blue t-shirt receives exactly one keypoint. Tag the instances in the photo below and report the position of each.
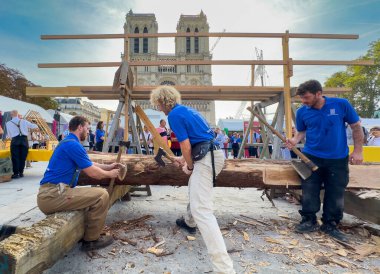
(64, 161)
(325, 128)
(235, 140)
(187, 123)
(98, 134)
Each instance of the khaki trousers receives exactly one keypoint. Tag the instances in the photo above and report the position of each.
(53, 198)
(200, 211)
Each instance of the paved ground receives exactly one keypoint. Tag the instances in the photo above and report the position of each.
(259, 236)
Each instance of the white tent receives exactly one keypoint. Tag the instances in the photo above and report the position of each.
(8, 104)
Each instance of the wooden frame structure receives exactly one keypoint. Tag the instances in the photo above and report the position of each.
(266, 95)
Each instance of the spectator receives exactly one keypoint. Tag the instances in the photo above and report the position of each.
(119, 136)
(235, 141)
(374, 139)
(99, 136)
(17, 130)
(91, 140)
(175, 147)
(149, 141)
(162, 130)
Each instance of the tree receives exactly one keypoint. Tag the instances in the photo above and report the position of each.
(364, 82)
(13, 85)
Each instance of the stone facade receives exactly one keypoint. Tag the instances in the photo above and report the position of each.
(186, 48)
(76, 106)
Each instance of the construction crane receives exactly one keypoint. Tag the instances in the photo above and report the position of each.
(260, 73)
(216, 42)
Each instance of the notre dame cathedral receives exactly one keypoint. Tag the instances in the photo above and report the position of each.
(186, 48)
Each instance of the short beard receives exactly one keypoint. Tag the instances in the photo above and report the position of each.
(83, 136)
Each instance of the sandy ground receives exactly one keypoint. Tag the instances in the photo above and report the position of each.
(260, 237)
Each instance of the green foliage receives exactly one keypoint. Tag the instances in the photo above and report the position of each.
(13, 85)
(364, 82)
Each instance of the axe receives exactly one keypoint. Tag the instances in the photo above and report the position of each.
(304, 168)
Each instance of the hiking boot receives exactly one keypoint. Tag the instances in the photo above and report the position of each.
(182, 224)
(21, 175)
(334, 232)
(15, 176)
(307, 226)
(97, 244)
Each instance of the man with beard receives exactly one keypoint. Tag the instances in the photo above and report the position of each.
(322, 121)
(58, 191)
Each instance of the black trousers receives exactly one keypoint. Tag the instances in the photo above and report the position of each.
(19, 151)
(99, 146)
(332, 174)
(235, 149)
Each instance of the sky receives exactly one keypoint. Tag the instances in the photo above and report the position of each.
(24, 21)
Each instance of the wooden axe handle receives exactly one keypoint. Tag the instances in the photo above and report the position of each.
(302, 156)
(156, 136)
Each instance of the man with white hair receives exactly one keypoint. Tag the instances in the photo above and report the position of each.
(17, 130)
(203, 161)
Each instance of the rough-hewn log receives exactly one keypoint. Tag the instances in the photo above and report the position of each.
(142, 170)
(36, 248)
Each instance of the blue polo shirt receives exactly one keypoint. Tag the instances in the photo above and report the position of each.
(187, 123)
(325, 128)
(98, 134)
(64, 161)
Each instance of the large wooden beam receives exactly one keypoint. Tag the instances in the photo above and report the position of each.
(210, 62)
(36, 248)
(199, 34)
(269, 94)
(142, 169)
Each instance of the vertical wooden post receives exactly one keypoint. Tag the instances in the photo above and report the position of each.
(107, 124)
(126, 97)
(287, 71)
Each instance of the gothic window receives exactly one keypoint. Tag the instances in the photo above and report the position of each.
(188, 68)
(136, 42)
(188, 42)
(145, 42)
(196, 68)
(196, 42)
(167, 83)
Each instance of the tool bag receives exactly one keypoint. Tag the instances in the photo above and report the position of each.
(199, 151)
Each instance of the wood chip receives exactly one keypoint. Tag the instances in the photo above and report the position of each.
(263, 264)
(283, 215)
(365, 249)
(341, 252)
(190, 238)
(271, 240)
(294, 242)
(246, 236)
(307, 236)
(155, 251)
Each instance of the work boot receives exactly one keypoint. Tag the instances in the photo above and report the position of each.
(182, 224)
(307, 225)
(15, 176)
(97, 244)
(331, 230)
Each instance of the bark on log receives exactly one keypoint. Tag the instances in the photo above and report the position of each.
(36, 248)
(143, 170)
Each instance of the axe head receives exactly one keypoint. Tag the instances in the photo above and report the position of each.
(302, 169)
(158, 157)
(125, 144)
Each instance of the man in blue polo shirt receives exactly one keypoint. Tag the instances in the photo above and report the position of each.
(322, 121)
(58, 192)
(203, 161)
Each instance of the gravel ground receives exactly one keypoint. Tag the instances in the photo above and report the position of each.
(259, 236)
